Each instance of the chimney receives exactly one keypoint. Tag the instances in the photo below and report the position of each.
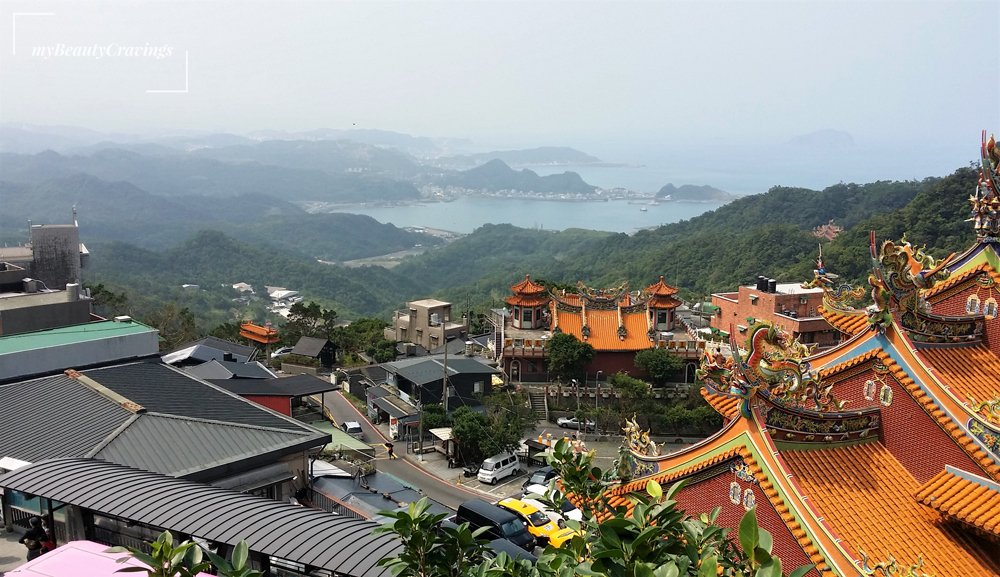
(227, 356)
(468, 348)
(772, 285)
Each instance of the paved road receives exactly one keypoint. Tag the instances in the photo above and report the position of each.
(448, 493)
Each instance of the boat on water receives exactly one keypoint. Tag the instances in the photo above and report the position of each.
(643, 209)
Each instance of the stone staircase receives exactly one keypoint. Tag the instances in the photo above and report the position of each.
(539, 405)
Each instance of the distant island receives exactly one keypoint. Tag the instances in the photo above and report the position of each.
(496, 175)
(695, 193)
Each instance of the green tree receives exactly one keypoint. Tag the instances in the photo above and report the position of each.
(659, 364)
(185, 559)
(175, 323)
(107, 302)
(435, 417)
(309, 320)
(227, 332)
(567, 356)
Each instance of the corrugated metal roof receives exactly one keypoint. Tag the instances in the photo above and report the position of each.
(308, 536)
(163, 389)
(294, 386)
(180, 446)
(429, 370)
(71, 334)
(54, 417)
(216, 369)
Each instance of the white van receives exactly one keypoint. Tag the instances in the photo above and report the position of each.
(498, 467)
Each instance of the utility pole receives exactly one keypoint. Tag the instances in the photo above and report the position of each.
(444, 380)
(420, 423)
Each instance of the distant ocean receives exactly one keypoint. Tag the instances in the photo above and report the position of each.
(469, 213)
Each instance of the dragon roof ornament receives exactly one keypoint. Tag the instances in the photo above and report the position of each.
(836, 297)
(899, 273)
(774, 368)
(986, 200)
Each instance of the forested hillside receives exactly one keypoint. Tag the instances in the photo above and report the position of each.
(768, 234)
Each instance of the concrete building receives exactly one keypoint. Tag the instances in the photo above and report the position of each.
(786, 305)
(427, 323)
(54, 255)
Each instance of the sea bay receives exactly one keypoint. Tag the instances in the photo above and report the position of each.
(468, 213)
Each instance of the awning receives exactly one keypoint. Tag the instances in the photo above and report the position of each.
(256, 478)
(443, 433)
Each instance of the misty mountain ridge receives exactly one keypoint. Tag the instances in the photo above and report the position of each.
(496, 175)
(542, 155)
(695, 193)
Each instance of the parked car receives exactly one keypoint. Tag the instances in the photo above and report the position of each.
(500, 523)
(574, 423)
(353, 428)
(538, 523)
(497, 546)
(498, 467)
(553, 516)
(541, 477)
(281, 352)
(567, 510)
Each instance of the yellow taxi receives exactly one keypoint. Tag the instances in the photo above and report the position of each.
(539, 524)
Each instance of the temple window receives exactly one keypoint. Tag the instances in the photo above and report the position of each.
(972, 305)
(990, 308)
(517, 313)
(527, 316)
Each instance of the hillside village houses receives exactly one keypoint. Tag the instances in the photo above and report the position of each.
(110, 444)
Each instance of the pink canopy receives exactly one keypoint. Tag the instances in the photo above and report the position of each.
(77, 559)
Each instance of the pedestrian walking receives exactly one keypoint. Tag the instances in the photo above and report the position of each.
(389, 450)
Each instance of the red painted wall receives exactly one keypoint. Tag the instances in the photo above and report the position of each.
(703, 496)
(954, 305)
(281, 404)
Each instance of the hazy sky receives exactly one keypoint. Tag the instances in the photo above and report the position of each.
(918, 74)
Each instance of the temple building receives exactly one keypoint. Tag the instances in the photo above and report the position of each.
(617, 322)
(881, 455)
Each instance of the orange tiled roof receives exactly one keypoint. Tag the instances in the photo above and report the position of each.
(527, 287)
(866, 495)
(604, 329)
(963, 496)
(931, 408)
(728, 407)
(661, 288)
(527, 300)
(970, 371)
(847, 323)
(618, 497)
(961, 278)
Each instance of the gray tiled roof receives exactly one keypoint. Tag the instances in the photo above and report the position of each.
(163, 389)
(339, 544)
(179, 446)
(166, 422)
(216, 369)
(54, 417)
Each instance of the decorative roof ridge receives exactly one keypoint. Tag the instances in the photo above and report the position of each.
(960, 278)
(660, 288)
(728, 432)
(781, 507)
(931, 407)
(849, 323)
(850, 363)
(726, 406)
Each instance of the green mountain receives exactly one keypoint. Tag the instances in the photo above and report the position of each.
(188, 174)
(694, 193)
(121, 211)
(495, 175)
